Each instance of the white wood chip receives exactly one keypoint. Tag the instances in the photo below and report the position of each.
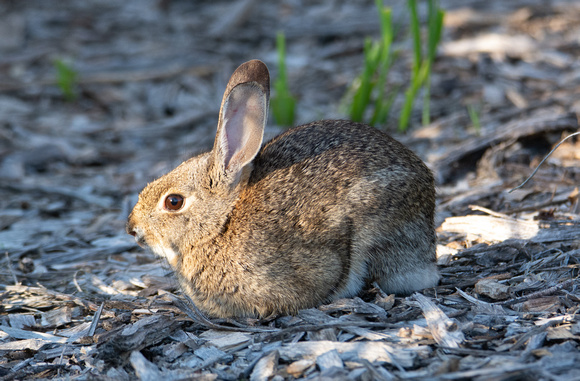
(329, 360)
(371, 335)
(56, 318)
(22, 334)
(19, 345)
(145, 370)
(372, 351)
(73, 333)
(265, 367)
(490, 228)
(445, 331)
(225, 340)
(21, 320)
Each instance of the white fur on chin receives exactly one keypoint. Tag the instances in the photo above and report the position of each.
(165, 252)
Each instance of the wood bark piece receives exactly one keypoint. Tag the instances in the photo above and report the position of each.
(329, 360)
(445, 331)
(542, 293)
(297, 368)
(497, 229)
(22, 334)
(483, 307)
(145, 370)
(26, 344)
(21, 320)
(56, 318)
(225, 340)
(134, 337)
(76, 332)
(489, 228)
(266, 367)
(356, 305)
(373, 351)
(492, 288)
(492, 43)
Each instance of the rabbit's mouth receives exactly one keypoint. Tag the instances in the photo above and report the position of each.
(136, 232)
(141, 242)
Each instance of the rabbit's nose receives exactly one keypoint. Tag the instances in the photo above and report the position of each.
(130, 228)
(136, 232)
(133, 229)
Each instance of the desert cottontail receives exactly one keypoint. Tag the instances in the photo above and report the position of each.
(315, 214)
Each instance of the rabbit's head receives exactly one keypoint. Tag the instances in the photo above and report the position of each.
(190, 204)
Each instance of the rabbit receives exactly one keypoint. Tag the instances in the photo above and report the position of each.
(316, 214)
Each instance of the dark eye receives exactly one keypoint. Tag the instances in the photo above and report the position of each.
(173, 202)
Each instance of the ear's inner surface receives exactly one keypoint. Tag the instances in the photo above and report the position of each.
(243, 119)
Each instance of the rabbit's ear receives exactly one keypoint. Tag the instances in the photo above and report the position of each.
(242, 119)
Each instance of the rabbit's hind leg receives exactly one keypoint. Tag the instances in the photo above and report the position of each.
(403, 261)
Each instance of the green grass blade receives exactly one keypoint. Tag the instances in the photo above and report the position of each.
(382, 107)
(405, 116)
(386, 19)
(474, 117)
(426, 117)
(66, 79)
(416, 34)
(281, 50)
(435, 30)
(283, 103)
(410, 96)
(364, 89)
(435, 27)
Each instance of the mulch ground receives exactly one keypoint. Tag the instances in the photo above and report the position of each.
(79, 299)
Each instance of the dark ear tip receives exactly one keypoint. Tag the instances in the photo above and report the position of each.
(251, 71)
(256, 67)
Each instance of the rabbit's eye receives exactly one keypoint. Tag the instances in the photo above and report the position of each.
(173, 202)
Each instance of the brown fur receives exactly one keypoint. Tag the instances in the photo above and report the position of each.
(319, 212)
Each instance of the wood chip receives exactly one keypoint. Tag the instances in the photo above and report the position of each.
(492, 288)
(548, 304)
(75, 332)
(144, 332)
(561, 333)
(266, 367)
(491, 229)
(22, 334)
(445, 331)
(225, 340)
(329, 360)
(20, 345)
(56, 318)
(297, 368)
(145, 370)
(22, 320)
(372, 351)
